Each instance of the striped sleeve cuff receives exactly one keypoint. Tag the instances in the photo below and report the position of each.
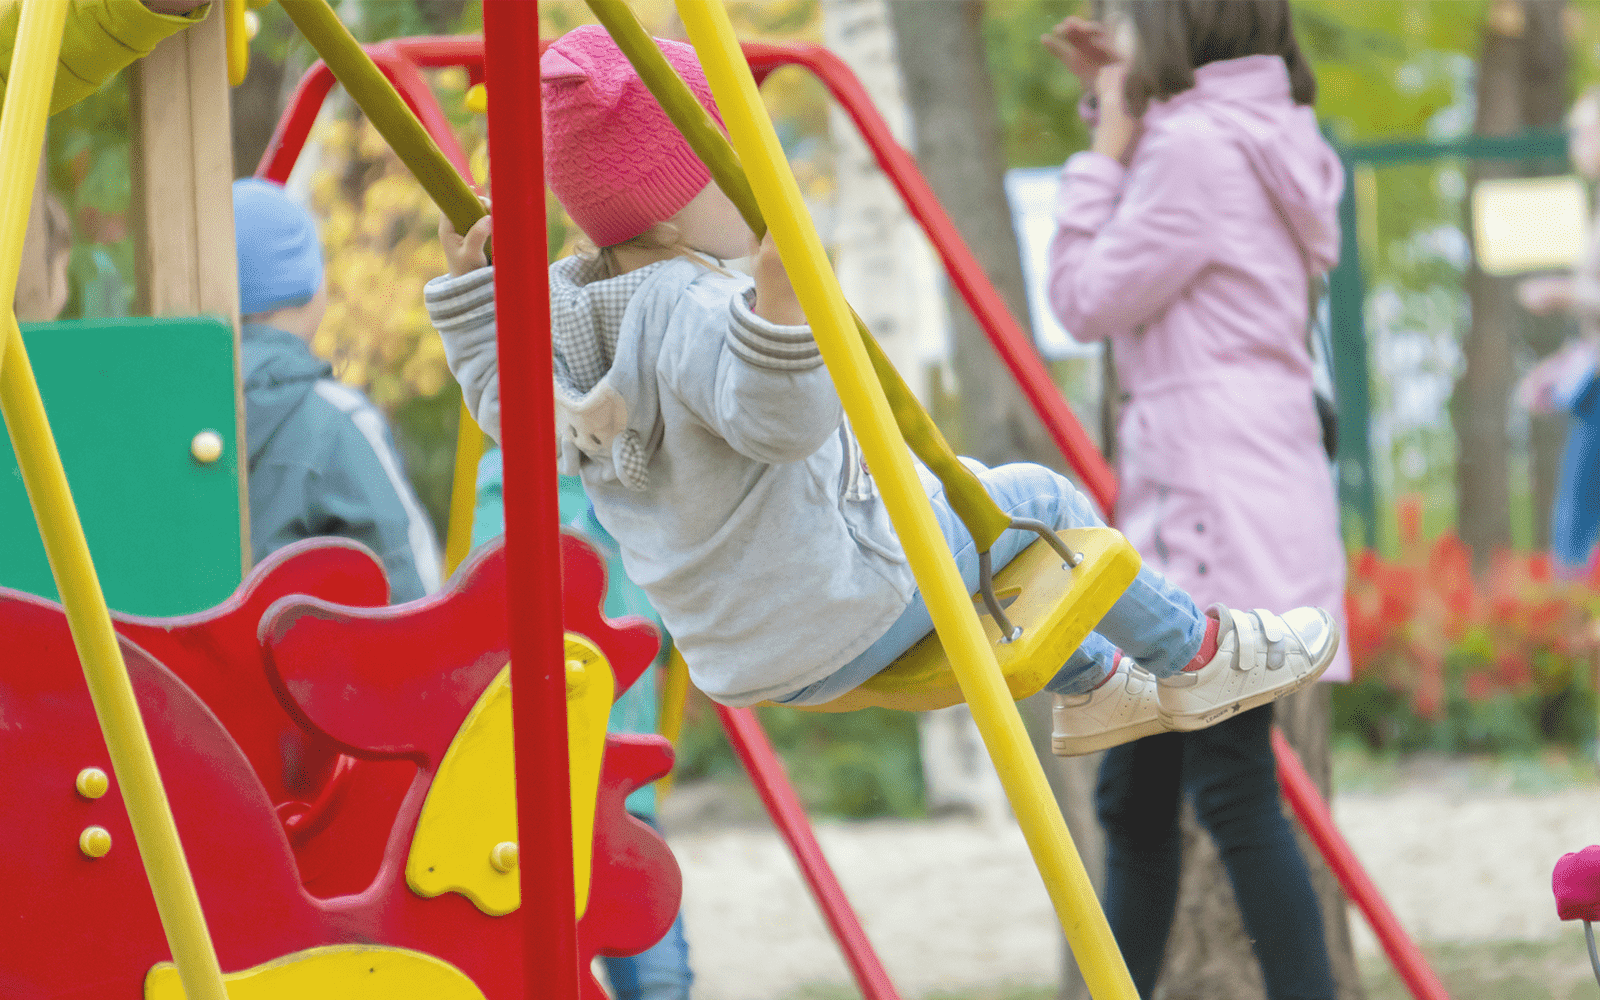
(460, 303)
(767, 345)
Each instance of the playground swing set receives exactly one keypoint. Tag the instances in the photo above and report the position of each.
(354, 761)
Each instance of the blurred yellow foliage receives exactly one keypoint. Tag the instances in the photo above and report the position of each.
(379, 229)
(379, 232)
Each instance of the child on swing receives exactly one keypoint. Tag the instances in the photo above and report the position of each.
(694, 404)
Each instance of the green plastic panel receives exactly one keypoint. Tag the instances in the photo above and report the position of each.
(126, 398)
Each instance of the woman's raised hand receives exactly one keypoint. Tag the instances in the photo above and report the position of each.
(1085, 47)
(1116, 131)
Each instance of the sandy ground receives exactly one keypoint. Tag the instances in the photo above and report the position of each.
(956, 903)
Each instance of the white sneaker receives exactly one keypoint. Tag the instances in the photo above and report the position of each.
(1121, 710)
(1260, 657)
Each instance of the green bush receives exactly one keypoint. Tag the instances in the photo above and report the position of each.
(1512, 722)
(857, 765)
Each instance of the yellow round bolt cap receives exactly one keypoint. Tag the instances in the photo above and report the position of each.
(477, 99)
(93, 783)
(95, 842)
(206, 447)
(504, 856)
(577, 678)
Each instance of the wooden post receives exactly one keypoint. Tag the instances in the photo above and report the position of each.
(183, 176)
(182, 202)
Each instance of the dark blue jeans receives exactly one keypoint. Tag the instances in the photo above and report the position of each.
(1228, 771)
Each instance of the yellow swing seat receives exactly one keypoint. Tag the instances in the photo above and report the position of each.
(1055, 606)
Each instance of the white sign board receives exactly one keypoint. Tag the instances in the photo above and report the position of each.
(1032, 193)
(1529, 223)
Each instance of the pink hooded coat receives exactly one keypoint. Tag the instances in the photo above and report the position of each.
(1193, 262)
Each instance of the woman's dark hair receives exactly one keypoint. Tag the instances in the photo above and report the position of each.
(1174, 37)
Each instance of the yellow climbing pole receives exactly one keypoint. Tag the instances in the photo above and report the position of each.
(22, 125)
(949, 605)
(401, 129)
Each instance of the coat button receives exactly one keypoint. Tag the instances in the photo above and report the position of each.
(1202, 569)
(1199, 528)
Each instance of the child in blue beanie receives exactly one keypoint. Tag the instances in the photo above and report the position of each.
(321, 459)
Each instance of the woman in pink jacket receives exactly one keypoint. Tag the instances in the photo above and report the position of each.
(1187, 237)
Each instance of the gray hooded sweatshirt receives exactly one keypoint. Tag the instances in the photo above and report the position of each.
(322, 463)
(713, 447)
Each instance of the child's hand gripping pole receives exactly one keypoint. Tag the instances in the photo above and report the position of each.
(971, 502)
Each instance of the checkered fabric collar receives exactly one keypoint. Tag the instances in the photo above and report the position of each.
(586, 310)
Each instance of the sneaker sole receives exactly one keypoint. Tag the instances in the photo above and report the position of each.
(1188, 723)
(1077, 746)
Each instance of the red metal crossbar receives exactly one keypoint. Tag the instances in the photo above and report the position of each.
(402, 61)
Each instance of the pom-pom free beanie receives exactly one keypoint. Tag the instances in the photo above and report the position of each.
(280, 254)
(613, 158)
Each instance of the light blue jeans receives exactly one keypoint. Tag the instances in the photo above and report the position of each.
(660, 972)
(1153, 621)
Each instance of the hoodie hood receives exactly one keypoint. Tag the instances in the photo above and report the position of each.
(1248, 99)
(605, 347)
(279, 372)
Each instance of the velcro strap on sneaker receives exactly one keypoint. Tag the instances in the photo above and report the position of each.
(1245, 635)
(1275, 628)
(1277, 632)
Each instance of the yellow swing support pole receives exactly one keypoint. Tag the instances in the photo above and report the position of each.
(674, 698)
(238, 41)
(463, 491)
(22, 125)
(977, 510)
(948, 602)
(26, 109)
(388, 113)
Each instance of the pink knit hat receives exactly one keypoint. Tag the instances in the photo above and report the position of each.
(615, 161)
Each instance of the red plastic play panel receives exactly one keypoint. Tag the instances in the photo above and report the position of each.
(343, 709)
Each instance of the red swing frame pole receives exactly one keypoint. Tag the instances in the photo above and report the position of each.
(1314, 816)
(765, 768)
(538, 659)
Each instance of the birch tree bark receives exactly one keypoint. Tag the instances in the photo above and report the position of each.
(958, 145)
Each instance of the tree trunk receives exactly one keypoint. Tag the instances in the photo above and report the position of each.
(1546, 106)
(885, 267)
(890, 276)
(1521, 84)
(1208, 954)
(257, 104)
(958, 146)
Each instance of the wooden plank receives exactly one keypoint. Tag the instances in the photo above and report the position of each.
(183, 170)
(182, 202)
(217, 271)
